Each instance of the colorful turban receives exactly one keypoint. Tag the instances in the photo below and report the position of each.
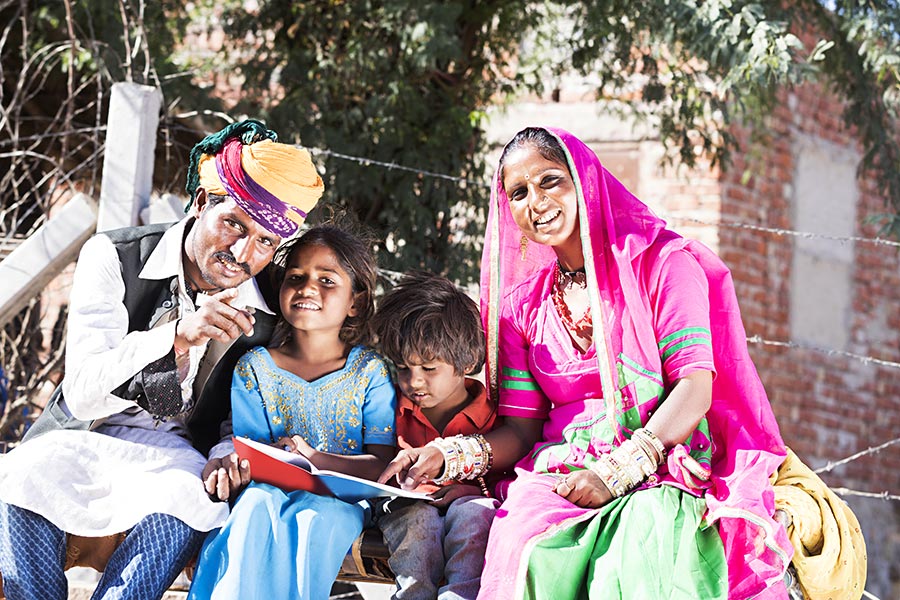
(276, 184)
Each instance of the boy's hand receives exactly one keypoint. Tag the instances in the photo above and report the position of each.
(445, 496)
(224, 477)
(414, 466)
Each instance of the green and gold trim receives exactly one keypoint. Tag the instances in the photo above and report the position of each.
(683, 338)
(515, 379)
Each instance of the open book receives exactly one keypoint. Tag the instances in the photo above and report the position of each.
(290, 472)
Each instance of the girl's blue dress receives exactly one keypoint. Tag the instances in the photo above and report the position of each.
(278, 544)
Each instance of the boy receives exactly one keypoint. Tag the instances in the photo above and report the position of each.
(432, 333)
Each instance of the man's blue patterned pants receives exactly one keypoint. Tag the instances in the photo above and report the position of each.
(33, 553)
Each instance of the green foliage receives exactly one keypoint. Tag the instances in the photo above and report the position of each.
(688, 67)
(59, 60)
(118, 40)
(700, 66)
(397, 82)
(863, 67)
(408, 83)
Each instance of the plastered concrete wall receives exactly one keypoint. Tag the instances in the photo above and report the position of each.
(825, 197)
(835, 296)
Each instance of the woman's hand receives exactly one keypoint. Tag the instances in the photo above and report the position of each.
(295, 444)
(443, 497)
(583, 488)
(414, 466)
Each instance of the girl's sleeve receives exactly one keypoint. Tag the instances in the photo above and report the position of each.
(681, 315)
(379, 406)
(248, 407)
(520, 395)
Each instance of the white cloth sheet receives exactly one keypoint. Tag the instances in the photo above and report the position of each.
(91, 484)
(102, 482)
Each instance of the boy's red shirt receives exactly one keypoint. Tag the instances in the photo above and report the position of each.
(415, 430)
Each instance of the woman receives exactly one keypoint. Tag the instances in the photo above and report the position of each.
(618, 357)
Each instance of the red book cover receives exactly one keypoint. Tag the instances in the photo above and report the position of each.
(290, 472)
(280, 468)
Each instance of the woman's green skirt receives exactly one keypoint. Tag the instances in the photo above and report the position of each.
(648, 545)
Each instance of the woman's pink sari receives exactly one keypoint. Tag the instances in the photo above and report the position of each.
(624, 241)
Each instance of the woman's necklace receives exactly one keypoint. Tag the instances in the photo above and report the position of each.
(566, 280)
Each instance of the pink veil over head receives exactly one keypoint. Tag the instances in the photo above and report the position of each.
(624, 245)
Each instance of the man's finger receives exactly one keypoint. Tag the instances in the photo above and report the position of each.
(222, 487)
(233, 322)
(225, 296)
(210, 482)
(243, 319)
(217, 324)
(234, 471)
(219, 321)
(245, 472)
(218, 327)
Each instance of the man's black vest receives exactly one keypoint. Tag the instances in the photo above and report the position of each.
(143, 298)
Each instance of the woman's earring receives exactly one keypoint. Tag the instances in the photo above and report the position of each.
(523, 246)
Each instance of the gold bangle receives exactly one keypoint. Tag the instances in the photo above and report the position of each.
(654, 441)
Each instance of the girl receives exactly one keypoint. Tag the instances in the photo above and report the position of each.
(320, 393)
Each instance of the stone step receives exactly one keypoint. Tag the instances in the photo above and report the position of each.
(82, 582)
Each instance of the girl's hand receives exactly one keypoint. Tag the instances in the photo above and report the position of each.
(443, 497)
(583, 488)
(295, 444)
(414, 466)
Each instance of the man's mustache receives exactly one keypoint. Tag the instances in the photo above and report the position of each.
(228, 257)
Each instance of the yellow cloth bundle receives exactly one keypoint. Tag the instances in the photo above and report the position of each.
(829, 549)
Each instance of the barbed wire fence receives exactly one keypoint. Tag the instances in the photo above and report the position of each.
(52, 135)
(47, 153)
(95, 133)
(36, 180)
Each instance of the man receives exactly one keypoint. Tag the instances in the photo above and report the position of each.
(114, 474)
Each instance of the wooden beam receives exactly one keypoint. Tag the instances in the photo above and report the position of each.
(128, 154)
(40, 258)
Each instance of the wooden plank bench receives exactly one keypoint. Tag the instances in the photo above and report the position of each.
(367, 560)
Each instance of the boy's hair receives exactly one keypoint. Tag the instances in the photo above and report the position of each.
(428, 317)
(352, 244)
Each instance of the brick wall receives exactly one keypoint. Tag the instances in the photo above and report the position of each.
(828, 406)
